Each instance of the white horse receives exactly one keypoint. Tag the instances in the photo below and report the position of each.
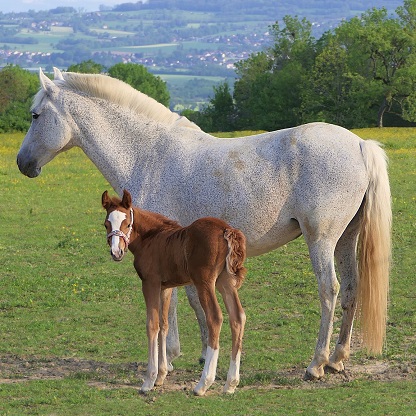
(317, 179)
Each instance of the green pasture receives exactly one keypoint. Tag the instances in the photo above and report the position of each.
(72, 321)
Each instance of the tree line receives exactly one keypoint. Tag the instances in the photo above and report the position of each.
(361, 74)
(18, 86)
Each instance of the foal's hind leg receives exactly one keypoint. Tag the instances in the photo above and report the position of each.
(345, 254)
(209, 302)
(322, 257)
(237, 318)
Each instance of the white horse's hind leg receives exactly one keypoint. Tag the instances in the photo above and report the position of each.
(322, 257)
(345, 254)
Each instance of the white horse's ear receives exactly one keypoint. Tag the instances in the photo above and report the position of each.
(57, 74)
(46, 83)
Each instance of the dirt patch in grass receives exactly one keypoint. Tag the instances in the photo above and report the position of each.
(101, 375)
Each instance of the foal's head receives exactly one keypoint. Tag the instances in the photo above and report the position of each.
(118, 223)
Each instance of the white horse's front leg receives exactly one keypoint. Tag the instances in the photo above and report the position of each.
(209, 372)
(173, 348)
(193, 299)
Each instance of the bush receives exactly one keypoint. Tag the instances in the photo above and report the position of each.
(17, 87)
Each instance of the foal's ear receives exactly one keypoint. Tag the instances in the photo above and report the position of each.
(126, 201)
(105, 200)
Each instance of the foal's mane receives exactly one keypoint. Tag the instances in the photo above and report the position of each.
(118, 92)
(159, 221)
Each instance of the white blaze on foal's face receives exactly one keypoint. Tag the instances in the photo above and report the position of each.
(116, 218)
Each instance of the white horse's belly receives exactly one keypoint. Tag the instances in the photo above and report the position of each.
(278, 236)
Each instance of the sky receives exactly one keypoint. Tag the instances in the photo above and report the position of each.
(7, 6)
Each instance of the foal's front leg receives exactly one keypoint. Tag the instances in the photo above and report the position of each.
(151, 294)
(165, 297)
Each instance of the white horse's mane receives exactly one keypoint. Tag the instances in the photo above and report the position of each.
(118, 92)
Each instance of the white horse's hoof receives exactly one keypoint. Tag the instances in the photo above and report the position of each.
(314, 373)
(230, 387)
(336, 367)
(199, 393)
(146, 387)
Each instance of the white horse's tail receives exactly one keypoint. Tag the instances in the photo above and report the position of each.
(374, 248)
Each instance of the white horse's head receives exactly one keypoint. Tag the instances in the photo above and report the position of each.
(50, 132)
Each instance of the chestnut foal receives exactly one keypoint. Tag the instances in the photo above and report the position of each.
(208, 253)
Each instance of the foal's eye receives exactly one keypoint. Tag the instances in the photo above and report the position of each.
(35, 116)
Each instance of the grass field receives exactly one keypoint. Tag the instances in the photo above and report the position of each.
(72, 321)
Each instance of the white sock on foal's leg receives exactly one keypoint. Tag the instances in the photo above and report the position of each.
(233, 377)
(208, 373)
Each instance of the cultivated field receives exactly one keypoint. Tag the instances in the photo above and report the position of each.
(72, 321)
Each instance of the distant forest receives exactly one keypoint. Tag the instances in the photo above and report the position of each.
(304, 8)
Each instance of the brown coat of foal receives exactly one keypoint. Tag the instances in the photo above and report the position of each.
(208, 253)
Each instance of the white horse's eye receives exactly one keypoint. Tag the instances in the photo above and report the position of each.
(35, 116)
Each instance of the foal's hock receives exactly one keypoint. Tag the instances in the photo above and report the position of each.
(208, 253)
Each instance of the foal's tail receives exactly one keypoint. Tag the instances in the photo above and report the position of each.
(374, 248)
(236, 254)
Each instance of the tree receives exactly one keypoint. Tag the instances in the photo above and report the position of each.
(139, 78)
(17, 87)
(336, 95)
(292, 43)
(248, 87)
(87, 67)
(351, 76)
(269, 88)
(381, 49)
(220, 109)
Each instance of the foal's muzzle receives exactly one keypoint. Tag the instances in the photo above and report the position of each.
(119, 252)
(117, 256)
